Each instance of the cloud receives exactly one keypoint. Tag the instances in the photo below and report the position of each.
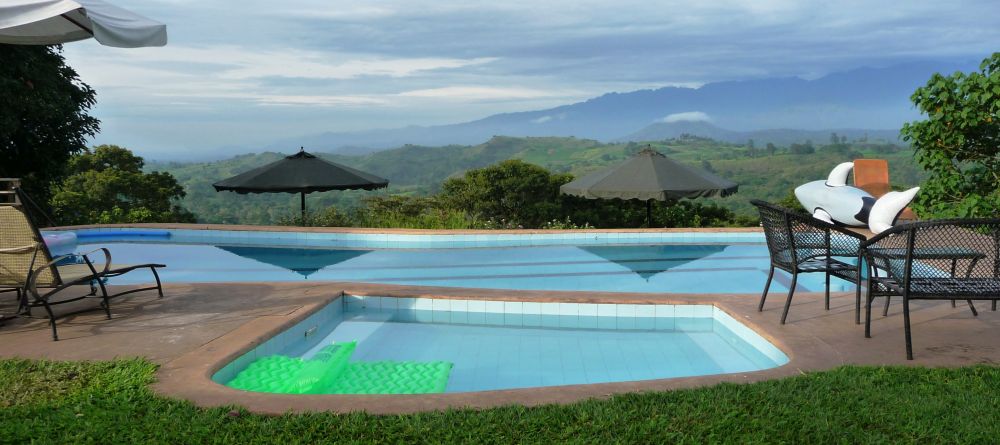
(548, 118)
(687, 116)
(484, 93)
(256, 67)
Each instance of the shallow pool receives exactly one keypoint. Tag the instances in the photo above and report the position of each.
(489, 345)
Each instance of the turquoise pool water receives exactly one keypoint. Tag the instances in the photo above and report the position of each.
(504, 345)
(619, 264)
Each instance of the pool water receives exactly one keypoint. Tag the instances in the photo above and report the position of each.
(674, 268)
(492, 345)
(499, 357)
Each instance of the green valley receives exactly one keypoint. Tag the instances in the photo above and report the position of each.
(768, 173)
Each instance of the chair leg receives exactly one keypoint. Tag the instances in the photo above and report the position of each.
(885, 310)
(763, 296)
(788, 302)
(827, 302)
(857, 292)
(868, 311)
(975, 313)
(906, 327)
(52, 320)
(159, 287)
(105, 300)
(857, 301)
(994, 305)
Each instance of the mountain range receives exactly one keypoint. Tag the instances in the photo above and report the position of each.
(855, 103)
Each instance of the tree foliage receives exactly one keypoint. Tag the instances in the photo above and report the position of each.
(515, 194)
(511, 190)
(43, 116)
(107, 185)
(959, 142)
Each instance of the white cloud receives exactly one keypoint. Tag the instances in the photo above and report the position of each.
(687, 116)
(484, 93)
(548, 118)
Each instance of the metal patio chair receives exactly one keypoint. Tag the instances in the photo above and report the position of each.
(40, 280)
(934, 260)
(798, 243)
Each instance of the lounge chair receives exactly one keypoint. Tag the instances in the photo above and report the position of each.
(934, 260)
(799, 243)
(42, 281)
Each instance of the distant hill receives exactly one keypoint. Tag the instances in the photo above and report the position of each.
(413, 169)
(866, 98)
(779, 137)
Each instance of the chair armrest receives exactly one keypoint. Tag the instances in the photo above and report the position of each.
(32, 284)
(832, 232)
(21, 249)
(861, 238)
(107, 260)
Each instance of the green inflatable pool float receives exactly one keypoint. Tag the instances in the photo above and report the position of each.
(331, 372)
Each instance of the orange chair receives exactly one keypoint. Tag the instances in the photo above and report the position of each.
(872, 176)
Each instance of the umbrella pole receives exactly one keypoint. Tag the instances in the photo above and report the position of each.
(649, 213)
(302, 195)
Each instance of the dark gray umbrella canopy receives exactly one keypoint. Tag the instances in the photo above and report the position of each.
(650, 175)
(647, 176)
(301, 173)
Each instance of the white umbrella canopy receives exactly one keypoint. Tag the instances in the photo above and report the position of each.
(50, 22)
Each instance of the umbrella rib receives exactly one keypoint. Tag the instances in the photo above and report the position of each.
(78, 24)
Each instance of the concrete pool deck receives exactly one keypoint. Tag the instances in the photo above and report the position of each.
(197, 328)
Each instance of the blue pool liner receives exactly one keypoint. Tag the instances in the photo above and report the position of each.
(122, 233)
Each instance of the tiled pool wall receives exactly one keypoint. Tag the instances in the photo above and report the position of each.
(393, 240)
(304, 335)
(292, 341)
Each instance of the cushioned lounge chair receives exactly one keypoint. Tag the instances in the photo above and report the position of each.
(27, 266)
(798, 243)
(934, 260)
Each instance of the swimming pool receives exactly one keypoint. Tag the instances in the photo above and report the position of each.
(475, 345)
(604, 262)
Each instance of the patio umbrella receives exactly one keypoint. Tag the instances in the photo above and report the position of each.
(302, 261)
(647, 176)
(51, 22)
(300, 173)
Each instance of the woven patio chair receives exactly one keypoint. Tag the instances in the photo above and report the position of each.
(43, 281)
(934, 260)
(798, 243)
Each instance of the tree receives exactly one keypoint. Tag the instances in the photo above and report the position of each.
(513, 190)
(802, 149)
(959, 142)
(107, 185)
(771, 149)
(43, 116)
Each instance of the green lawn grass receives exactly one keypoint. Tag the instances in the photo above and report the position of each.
(110, 402)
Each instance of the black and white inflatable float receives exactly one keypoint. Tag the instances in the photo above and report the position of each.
(836, 202)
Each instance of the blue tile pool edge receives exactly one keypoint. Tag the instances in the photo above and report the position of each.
(403, 241)
(288, 340)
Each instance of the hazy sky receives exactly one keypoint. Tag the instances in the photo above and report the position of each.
(248, 72)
